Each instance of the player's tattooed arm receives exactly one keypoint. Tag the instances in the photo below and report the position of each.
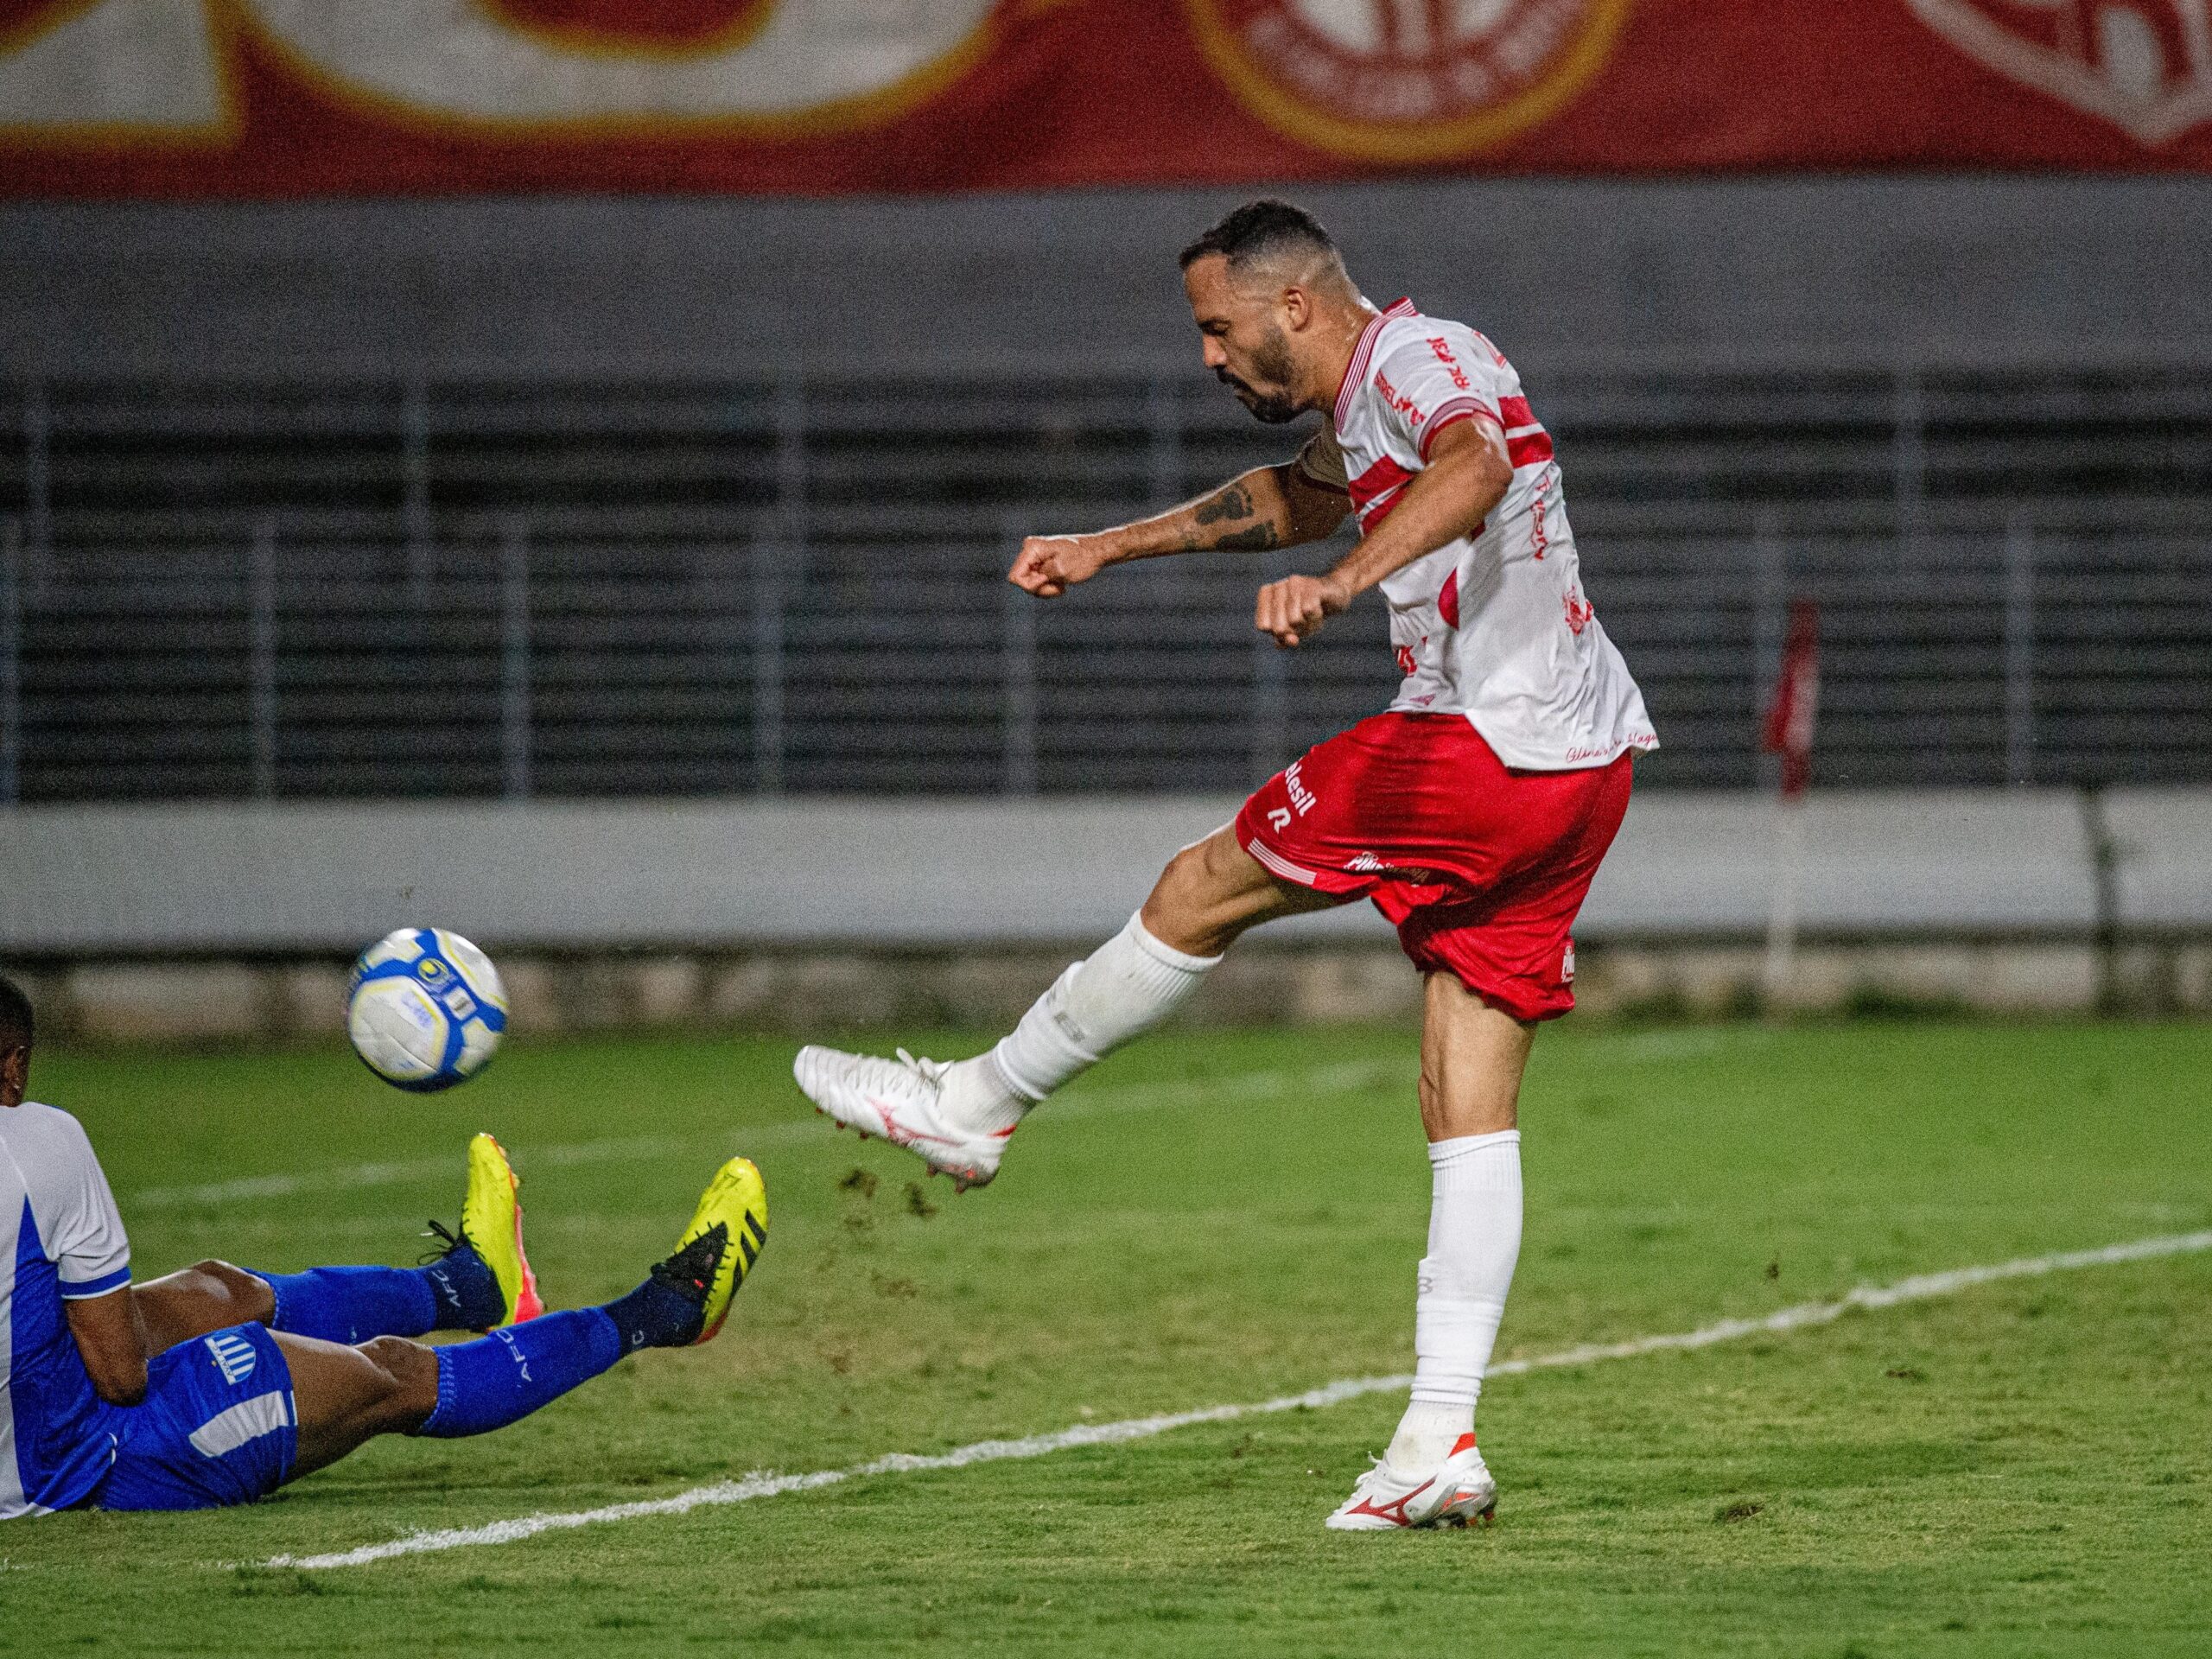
(1223, 521)
(1267, 507)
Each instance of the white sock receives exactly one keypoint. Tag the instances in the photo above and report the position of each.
(1474, 1239)
(1122, 989)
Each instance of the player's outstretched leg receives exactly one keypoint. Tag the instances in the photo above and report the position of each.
(230, 1418)
(957, 1116)
(482, 1278)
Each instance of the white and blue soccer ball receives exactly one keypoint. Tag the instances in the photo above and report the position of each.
(425, 1010)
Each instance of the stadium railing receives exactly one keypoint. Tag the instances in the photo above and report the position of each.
(524, 586)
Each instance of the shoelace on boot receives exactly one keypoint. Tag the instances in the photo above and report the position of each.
(447, 1243)
(929, 1070)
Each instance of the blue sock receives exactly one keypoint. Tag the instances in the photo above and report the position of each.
(654, 1316)
(352, 1304)
(456, 1291)
(469, 1297)
(502, 1378)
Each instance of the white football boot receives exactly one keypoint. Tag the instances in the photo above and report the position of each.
(901, 1100)
(1457, 1492)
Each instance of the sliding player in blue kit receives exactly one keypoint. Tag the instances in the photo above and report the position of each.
(216, 1386)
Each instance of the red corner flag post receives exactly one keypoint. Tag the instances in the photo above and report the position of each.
(1789, 732)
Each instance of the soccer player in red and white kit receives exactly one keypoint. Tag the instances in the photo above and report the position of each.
(1473, 813)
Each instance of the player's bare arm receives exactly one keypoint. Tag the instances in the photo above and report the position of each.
(111, 1340)
(1467, 476)
(1267, 507)
(1279, 332)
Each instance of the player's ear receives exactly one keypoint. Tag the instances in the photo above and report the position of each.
(1297, 309)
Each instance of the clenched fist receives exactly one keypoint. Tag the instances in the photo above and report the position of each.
(1293, 609)
(1048, 566)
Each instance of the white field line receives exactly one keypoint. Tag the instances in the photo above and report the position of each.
(1921, 1287)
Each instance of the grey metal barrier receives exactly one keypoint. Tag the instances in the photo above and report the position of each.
(531, 587)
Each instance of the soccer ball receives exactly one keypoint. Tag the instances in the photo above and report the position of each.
(425, 1010)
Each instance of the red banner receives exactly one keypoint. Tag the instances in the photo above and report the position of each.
(276, 97)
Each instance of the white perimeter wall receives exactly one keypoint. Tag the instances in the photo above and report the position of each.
(320, 879)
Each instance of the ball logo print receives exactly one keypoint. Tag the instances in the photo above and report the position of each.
(2145, 65)
(1406, 80)
(426, 1009)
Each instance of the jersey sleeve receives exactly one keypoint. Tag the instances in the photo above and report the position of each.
(1436, 377)
(1321, 462)
(90, 1251)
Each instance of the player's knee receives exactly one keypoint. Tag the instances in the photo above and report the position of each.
(1176, 913)
(1185, 875)
(249, 1294)
(1185, 908)
(408, 1389)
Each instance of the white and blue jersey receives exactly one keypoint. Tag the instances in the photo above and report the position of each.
(217, 1425)
(60, 1239)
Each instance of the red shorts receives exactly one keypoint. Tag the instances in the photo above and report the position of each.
(1481, 866)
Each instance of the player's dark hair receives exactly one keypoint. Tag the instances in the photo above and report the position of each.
(15, 1016)
(1260, 229)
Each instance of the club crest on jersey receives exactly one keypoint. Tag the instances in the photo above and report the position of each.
(1405, 80)
(234, 1355)
(2145, 67)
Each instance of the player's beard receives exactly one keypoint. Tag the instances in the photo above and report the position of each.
(1271, 360)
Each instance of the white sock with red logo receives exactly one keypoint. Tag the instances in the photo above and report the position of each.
(1474, 1240)
(1122, 989)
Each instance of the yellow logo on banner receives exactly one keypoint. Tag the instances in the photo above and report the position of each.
(1405, 80)
(157, 66)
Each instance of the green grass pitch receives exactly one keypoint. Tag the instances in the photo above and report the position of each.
(2024, 1468)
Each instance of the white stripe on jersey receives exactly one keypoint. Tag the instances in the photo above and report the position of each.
(246, 1422)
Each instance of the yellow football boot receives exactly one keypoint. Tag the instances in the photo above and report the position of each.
(491, 1224)
(721, 1245)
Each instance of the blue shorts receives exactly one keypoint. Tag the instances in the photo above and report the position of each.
(217, 1427)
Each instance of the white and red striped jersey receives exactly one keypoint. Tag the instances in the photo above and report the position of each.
(1493, 625)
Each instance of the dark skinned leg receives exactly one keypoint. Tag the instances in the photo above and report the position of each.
(345, 1396)
(203, 1298)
